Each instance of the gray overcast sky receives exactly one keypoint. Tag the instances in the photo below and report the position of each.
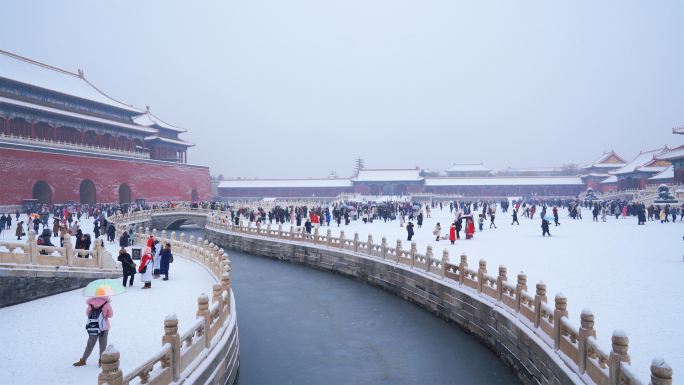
(300, 88)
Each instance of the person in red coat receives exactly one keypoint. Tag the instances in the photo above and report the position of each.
(470, 229)
(150, 241)
(452, 233)
(146, 264)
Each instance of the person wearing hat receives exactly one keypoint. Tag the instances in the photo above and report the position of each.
(128, 266)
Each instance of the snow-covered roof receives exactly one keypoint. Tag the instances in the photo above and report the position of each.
(4, 100)
(532, 169)
(610, 180)
(169, 140)
(148, 119)
(675, 153)
(506, 181)
(678, 130)
(26, 71)
(284, 183)
(641, 160)
(668, 173)
(608, 160)
(388, 175)
(468, 168)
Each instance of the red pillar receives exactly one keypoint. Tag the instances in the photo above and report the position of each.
(54, 132)
(7, 131)
(100, 143)
(82, 137)
(130, 145)
(32, 130)
(116, 142)
(143, 145)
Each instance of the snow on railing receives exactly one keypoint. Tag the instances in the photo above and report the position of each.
(33, 254)
(70, 145)
(577, 346)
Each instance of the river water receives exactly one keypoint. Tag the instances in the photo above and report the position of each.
(298, 325)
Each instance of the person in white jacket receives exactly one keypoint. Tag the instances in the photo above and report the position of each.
(157, 259)
(438, 231)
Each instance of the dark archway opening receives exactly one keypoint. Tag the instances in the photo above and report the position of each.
(42, 192)
(124, 194)
(195, 195)
(87, 192)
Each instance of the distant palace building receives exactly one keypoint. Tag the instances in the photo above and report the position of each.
(468, 170)
(64, 140)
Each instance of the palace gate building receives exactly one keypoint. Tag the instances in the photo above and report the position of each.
(62, 139)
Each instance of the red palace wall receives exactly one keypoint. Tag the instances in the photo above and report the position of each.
(21, 170)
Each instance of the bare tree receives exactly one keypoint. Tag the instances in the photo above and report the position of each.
(570, 169)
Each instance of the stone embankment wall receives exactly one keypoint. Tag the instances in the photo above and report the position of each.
(23, 285)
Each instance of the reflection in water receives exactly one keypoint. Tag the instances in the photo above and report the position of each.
(301, 325)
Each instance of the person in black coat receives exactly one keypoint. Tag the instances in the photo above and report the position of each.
(123, 241)
(128, 266)
(111, 232)
(409, 229)
(165, 260)
(545, 227)
(515, 217)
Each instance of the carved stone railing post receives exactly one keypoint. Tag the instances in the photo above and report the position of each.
(203, 311)
(111, 374)
(182, 240)
(68, 250)
(369, 249)
(154, 233)
(461, 269)
(522, 285)
(280, 230)
(356, 242)
(398, 250)
(293, 229)
(661, 372)
(99, 252)
(173, 237)
(163, 237)
(560, 311)
(328, 235)
(585, 331)
(341, 239)
(412, 252)
(172, 337)
(383, 248)
(618, 354)
(217, 297)
(33, 247)
(268, 230)
(428, 258)
(225, 284)
(445, 261)
(258, 228)
(538, 299)
(315, 236)
(480, 272)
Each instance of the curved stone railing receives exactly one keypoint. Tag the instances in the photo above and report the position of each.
(210, 343)
(33, 255)
(505, 316)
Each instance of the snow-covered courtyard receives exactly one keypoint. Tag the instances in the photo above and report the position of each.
(41, 339)
(628, 275)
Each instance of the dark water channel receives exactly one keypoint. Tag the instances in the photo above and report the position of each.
(299, 325)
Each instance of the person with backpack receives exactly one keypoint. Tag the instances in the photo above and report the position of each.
(99, 312)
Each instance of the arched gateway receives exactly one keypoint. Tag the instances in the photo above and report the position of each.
(124, 193)
(87, 192)
(42, 192)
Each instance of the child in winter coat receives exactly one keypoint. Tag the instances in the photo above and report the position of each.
(480, 221)
(452, 233)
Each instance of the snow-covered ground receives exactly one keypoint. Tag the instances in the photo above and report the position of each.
(41, 339)
(628, 275)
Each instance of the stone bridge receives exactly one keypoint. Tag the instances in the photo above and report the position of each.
(174, 220)
(161, 219)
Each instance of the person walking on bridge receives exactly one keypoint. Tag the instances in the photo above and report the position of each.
(165, 261)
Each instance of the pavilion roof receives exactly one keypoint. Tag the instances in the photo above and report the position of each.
(285, 183)
(468, 168)
(678, 130)
(177, 141)
(609, 160)
(609, 180)
(668, 173)
(388, 175)
(674, 153)
(641, 161)
(36, 74)
(506, 181)
(38, 107)
(149, 120)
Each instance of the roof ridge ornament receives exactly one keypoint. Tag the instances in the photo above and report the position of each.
(80, 74)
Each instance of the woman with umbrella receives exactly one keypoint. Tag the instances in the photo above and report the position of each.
(99, 306)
